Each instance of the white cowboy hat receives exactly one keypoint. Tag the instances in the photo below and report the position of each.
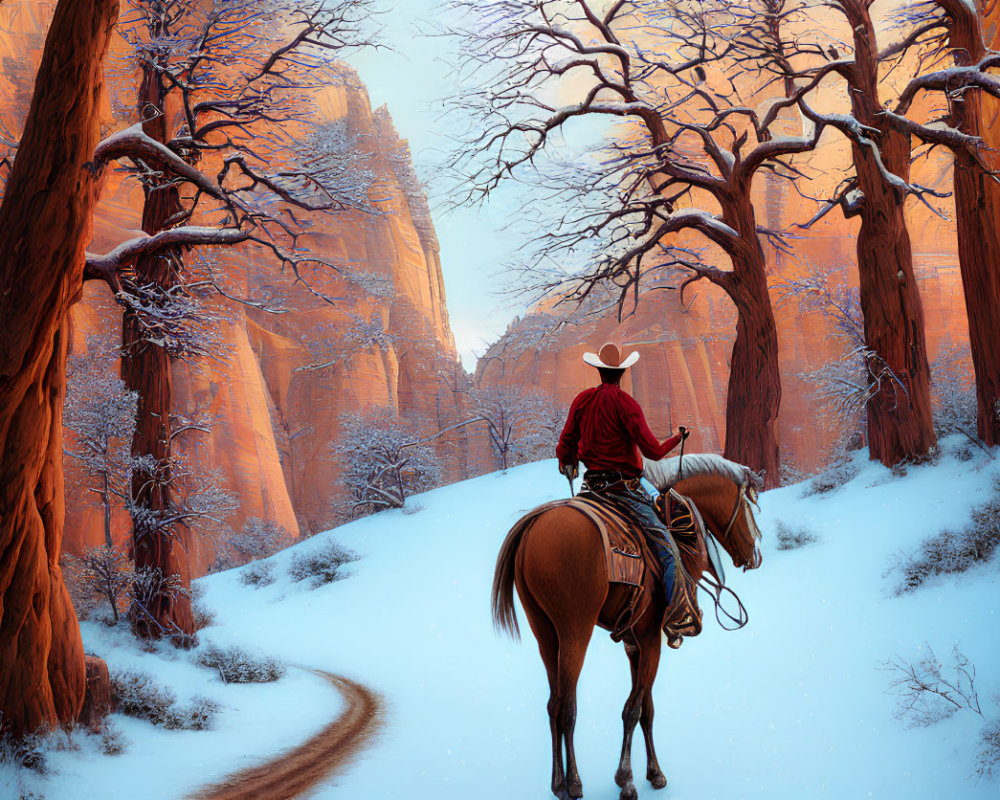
(610, 357)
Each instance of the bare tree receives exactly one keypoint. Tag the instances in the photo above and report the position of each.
(224, 141)
(105, 571)
(100, 414)
(842, 385)
(881, 135)
(957, 31)
(521, 425)
(384, 460)
(696, 133)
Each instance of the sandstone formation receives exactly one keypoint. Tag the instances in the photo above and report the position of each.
(281, 381)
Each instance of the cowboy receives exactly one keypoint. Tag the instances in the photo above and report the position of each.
(607, 430)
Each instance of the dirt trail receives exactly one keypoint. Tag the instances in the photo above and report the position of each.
(299, 770)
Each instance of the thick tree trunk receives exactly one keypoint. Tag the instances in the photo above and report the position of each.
(146, 369)
(977, 218)
(754, 391)
(977, 214)
(899, 409)
(45, 223)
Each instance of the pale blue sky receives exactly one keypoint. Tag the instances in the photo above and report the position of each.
(412, 80)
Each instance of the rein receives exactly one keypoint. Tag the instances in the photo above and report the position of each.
(715, 588)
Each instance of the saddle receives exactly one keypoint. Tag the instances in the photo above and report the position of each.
(628, 556)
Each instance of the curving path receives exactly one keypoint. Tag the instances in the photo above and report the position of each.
(299, 770)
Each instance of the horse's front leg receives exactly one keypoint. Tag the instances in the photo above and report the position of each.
(644, 658)
(653, 772)
(630, 716)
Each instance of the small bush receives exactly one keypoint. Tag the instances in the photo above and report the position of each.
(196, 716)
(259, 538)
(236, 665)
(988, 761)
(953, 551)
(27, 752)
(789, 539)
(113, 743)
(322, 565)
(138, 695)
(258, 574)
(831, 479)
(203, 617)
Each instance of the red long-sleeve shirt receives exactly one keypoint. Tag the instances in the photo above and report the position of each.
(606, 429)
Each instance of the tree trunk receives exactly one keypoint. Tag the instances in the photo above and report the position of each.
(45, 223)
(146, 369)
(106, 502)
(977, 214)
(899, 410)
(977, 218)
(753, 395)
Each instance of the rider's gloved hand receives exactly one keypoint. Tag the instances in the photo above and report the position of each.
(569, 470)
(685, 432)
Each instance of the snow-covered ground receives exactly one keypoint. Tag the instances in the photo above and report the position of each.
(793, 706)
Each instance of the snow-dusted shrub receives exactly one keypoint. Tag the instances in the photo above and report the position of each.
(113, 742)
(258, 539)
(385, 460)
(27, 751)
(236, 665)
(138, 695)
(953, 551)
(259, 574)
(831, 479)
(953, 391)
(926, 695)
(149, 583)
(988, 760)
(792, 539)
(322, 565)
(196, 716)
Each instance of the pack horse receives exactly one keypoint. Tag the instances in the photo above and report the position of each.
(556, 556)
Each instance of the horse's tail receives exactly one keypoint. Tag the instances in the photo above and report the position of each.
(502, 599)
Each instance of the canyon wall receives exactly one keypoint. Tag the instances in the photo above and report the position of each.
(367, 328)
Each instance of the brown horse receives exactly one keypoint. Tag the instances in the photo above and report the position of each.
(557, 563)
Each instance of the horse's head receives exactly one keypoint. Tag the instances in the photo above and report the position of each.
(724, 492)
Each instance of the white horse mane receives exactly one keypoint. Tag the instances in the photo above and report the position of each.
(665, 473)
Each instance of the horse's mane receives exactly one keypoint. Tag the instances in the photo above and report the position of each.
(666, 472)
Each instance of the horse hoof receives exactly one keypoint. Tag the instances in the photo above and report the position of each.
(574, 789)
(658, 779)
(628, 793)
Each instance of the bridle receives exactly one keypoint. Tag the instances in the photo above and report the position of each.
(716, 588)
(740, 496)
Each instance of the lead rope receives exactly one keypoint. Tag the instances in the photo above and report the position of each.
(715, 590)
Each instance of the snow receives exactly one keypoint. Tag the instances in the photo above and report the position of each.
(792, 706)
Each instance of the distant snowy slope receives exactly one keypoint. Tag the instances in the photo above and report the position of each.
(792, 707)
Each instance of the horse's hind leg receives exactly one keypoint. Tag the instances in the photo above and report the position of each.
(548, 647)
(571, 655)
(644, 658)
